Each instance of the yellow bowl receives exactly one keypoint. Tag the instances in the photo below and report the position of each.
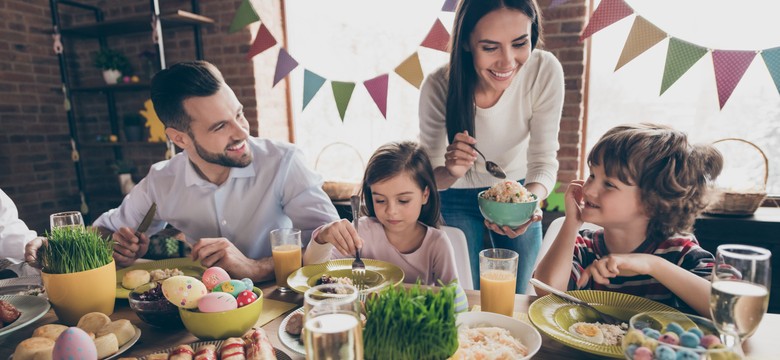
(224, 324)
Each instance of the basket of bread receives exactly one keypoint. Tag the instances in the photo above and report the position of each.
(741, 187)
(332, 162)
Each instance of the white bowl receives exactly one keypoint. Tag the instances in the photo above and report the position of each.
(527, 334)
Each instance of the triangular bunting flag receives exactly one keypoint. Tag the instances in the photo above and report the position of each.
(263, 41)
(377, 88)
(555, 3)
(680, 56)
(438, 38)
(449, 5)
(284, 64)
(342, 91)
(608, 12)
(730, 66)
(311, 85)
(245, 15)
(411, 70)
(643, 36)
(772, 61)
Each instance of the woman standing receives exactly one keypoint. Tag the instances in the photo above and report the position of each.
(500, 89)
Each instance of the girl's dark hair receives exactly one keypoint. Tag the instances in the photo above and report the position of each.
(462, 76)
(399, 158)
(170, 87)
(671, 174)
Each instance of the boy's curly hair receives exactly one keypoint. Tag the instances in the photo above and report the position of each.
(672, 175)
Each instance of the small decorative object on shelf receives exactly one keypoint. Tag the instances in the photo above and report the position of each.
(123, 170)
(155, 125)
(113, 63)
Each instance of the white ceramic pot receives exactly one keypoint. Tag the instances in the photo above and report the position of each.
(111, 76)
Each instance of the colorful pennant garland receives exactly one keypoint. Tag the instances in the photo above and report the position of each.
(410, 69)
(729, 65)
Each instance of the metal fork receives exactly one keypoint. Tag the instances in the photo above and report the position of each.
(358, 267)
(603, 317)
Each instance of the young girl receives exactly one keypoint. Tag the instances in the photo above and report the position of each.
(402, 205)
(646, 187)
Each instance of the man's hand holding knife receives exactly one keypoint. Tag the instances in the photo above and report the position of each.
(132, 244)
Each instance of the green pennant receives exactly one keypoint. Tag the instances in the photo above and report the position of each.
(311, 85)
(342, 91)
(772, 60)
(245, 15)
(679, 58)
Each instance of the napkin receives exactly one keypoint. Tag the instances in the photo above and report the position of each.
(272, 309)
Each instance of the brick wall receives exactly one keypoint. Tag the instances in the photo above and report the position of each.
(35, 166)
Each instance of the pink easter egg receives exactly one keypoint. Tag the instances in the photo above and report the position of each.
(213, 276)
(74, 343)
(217, 302)
(709, 340)
(643, 353)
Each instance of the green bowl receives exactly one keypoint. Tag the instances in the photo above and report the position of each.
(224, 324)
(507, 214)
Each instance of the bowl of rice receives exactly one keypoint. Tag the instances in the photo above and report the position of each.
(486, 335)
(507, 203)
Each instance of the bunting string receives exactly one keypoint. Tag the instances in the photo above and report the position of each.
(729, 65)
(410, 69)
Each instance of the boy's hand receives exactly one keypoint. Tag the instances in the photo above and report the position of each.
(460, 156)
(610, 266)
(342, 235)
(574, 200)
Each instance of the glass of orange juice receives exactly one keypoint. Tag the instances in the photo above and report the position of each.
(497, 280)
(286, 251)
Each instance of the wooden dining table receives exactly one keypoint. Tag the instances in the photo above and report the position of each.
(763, 345)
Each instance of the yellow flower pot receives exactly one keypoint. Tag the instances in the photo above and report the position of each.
(73, 295)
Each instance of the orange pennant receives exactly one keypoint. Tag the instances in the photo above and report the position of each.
(643, 36)
(411, 70)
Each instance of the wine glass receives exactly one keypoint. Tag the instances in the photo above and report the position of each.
(66, 219)
(740, 289)
(332, 327)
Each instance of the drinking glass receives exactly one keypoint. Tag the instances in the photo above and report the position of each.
(332, 327)
(739, 295)
(497, 280)
(66, 219)
(286, 251)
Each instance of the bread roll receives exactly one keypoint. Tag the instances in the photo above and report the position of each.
(93, 322)
(34, 348)
(135, 278)
(123, 330)
(106, 345)
(182, 352)
(232, 349)
(49, 331)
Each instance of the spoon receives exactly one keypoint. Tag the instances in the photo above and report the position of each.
(490, 166)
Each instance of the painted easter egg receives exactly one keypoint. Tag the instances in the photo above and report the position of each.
(234, 287)
(74, 344)
(213, 276)
(183, 291)
(217, 302)
(246, 297)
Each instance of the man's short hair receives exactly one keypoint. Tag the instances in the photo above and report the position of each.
(170, 87)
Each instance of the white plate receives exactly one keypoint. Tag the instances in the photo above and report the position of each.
(14, 286)
(280, 355)
(527, 334)
(288, 340)
(122, 349)
(31, 307)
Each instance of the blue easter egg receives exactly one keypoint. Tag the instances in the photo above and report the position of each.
(689, 340)
(248, 282)
(631, 349)
(675, 328)
(687, 354)
(663, 352)
(696, 331)
(651, 333)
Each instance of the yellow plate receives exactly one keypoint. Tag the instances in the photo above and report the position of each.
(380, 273)
(186, 265)
(553, 316)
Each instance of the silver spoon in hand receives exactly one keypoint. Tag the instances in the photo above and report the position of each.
(490, 166)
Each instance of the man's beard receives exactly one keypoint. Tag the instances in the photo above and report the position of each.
(223, 159)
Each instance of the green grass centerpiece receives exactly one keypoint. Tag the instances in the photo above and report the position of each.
(74, 249)
(416, 323)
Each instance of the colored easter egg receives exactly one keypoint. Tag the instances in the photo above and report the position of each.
(650, 344)
(689, 340)
(634, 336)
(217, 302)
(651, 333)
(696, 331)
(248, 282)
(643, 353)
(183, 291)
(74, 344)
(663, 352)
(669, 338)
(246, 297)
(135, 79)
(213, 276)
(687, 354)
(709, 340)
(630, 349)
(234, 287)
(675, 328)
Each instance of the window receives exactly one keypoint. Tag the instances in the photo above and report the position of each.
(631, 94)
(354, 41)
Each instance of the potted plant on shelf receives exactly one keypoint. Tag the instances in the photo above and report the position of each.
(113, 63)
(123, 170)
(78, 272)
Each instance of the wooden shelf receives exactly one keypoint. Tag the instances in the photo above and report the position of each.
(123, 144)
(113, 87)
(136, 24)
